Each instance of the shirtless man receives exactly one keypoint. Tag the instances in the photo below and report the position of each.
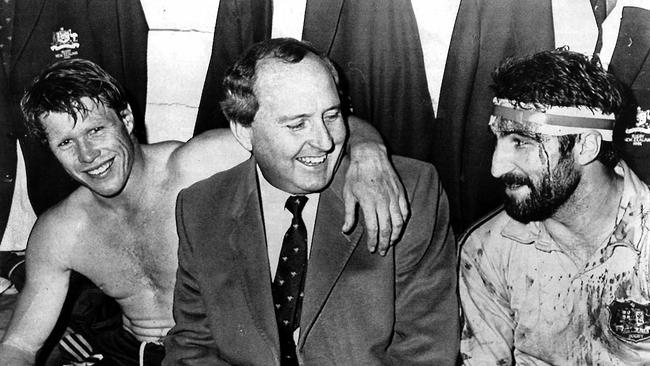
(118, 228)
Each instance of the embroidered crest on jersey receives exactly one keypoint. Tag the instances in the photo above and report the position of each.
(629, 321)
(65, 43)
(640, 133)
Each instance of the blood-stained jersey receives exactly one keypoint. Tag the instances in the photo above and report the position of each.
(526, 302)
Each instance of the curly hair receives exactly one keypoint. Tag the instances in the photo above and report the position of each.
(561, 78)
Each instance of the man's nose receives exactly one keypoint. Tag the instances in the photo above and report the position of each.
(321, 137)
(86, 151)
(501, 160)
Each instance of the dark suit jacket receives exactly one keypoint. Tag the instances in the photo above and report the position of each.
(112, 33)
(359, 308)
(486, 32)
(376, 45)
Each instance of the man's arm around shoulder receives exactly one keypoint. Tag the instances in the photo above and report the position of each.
(426, 305)
(40, 302)
(202, 156)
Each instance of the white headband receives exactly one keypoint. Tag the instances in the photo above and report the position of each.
(555, 121)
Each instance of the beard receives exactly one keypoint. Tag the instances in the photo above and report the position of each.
(546, 197)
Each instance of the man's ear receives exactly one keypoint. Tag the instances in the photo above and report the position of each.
(587, 147)
(126, 115)
(243, 134)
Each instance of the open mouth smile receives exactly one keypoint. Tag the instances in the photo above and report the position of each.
(312, 160)
(100, 170)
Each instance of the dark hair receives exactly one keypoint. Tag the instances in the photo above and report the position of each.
(561, 78)
(240, 104)
(60, 88)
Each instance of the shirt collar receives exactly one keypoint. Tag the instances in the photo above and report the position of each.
(270, 195)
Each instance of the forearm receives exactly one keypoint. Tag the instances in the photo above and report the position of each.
(12, 355)
(35, 314)
(361, 132)
(371, 181)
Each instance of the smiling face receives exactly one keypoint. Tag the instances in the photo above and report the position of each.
(97, 150)
(538, 178)
(298, 131)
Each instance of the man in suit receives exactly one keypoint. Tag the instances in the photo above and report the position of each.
(560, 277)
(249, 293)
(487, 32)
(117, 229)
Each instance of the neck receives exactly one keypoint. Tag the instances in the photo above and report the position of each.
(588, 218)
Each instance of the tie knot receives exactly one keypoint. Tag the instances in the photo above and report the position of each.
(295, 204)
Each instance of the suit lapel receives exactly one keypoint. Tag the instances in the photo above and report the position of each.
(630, 57)
(330, 252)
(321, 23)
(248, 241)
(30, 11)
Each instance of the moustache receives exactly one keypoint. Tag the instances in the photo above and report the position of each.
(511, 179)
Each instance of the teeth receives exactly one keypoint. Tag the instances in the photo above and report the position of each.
(313, 160)
(100, 169)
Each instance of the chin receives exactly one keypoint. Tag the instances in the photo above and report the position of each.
(313, 184)
(107, 190)
(308, 189)
(527, 211)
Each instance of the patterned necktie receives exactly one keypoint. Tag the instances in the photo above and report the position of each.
(6, 31)
(289, 280)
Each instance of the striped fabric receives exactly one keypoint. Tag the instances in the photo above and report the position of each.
(78, 350)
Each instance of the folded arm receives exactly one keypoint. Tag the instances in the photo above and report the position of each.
(371, 181)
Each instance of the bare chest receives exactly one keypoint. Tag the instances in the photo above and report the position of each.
(132, 256)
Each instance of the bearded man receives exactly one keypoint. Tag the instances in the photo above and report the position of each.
(560, 275)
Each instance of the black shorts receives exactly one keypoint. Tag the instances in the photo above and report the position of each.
(116, 347)
(95, 336)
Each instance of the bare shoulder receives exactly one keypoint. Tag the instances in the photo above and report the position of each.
(206, 154)
(161, 152)
(56, 234)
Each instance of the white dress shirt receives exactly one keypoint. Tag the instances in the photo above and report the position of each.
(277, 219)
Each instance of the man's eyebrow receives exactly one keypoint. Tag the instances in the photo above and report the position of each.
(291, 117)
(333, 108)
(524, 134)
